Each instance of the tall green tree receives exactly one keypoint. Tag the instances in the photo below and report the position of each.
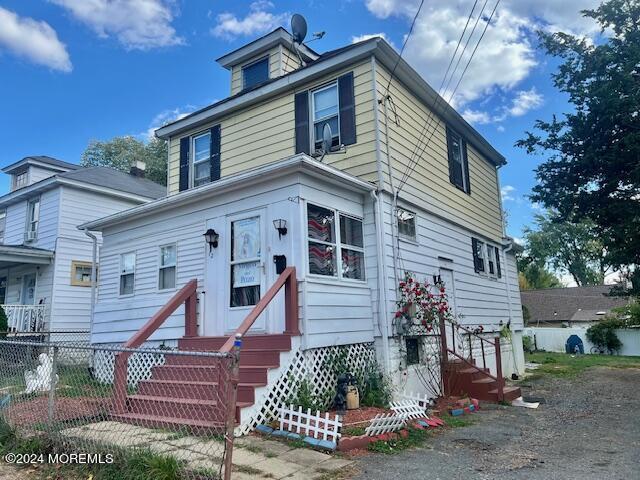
(592, 170)
(121, 153)
(533, 275)
(570, 247)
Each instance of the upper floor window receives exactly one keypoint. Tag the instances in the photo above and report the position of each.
(335, 253)
(3, 222)
(325, 111)
(127, 273)
(167, 268)
(201, 159)
(486, 258)
(458, 164)
(33, 218)
(255, 73)
(406, 224)
(20, 180)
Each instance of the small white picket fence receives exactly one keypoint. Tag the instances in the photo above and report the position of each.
(421, 399)
(409, 410)
(385, 423)
(310, 425)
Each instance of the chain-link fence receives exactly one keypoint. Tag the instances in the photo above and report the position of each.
(133, 413)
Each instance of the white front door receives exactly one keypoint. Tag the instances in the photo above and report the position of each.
(29, 289)
(246, 272)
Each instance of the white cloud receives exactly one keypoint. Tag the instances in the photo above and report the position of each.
(500, 128)
(33, 40)
(165, 117)
(506, 193)
(476, 117)
(506, 55)
(537, 207)
(367, 36)
(257, 21)
(524, 101)
(137, 24)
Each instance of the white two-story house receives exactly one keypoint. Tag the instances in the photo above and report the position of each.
(45, 261)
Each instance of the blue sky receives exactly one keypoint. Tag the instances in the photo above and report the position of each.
(72, 71)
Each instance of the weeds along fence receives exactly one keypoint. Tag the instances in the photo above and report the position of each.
(164, 414)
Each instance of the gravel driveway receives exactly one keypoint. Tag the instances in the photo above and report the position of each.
(588, 428)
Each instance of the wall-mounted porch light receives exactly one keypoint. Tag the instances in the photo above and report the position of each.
(281, 227)
(211, 237)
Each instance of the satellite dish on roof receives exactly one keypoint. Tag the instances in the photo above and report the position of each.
(298, 28)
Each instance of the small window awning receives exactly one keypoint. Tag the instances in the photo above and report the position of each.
(19, 254)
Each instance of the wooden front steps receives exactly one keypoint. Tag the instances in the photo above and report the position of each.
(184, 393)
(461, 378)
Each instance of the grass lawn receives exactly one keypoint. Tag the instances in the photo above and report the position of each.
(564, 364)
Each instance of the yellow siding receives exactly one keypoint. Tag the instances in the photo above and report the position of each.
(429, 185)
(264, 133)
(290, 60)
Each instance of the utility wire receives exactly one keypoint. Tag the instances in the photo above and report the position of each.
(413, 24)
(423, 149)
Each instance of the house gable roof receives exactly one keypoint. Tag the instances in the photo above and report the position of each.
(323, 65)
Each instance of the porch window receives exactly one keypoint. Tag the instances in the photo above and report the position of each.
(81, 274)
(322, 241)
(406, 224)
(3, 221)
(33, 217)
(246, 259)
(352, 247)
(127, 273)
(201, 159)
(325, 111)
(167, 268)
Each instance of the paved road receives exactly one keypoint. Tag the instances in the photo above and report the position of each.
(589, 428)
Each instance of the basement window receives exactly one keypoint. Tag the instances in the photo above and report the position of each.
(413, 351)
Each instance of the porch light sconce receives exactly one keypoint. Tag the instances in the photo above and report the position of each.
(211, 237)
(281, 227)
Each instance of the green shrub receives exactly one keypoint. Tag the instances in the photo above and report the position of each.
(4, 323)
(527, 344)
(374, 387)
(305, 398)
(629, 315)
(603, 335)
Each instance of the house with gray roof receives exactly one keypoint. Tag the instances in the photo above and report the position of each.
(570, 306)
(45, 261)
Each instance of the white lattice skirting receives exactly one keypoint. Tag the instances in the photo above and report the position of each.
(295, 367)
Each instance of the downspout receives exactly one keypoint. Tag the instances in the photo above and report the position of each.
(94, 258)
(379, 224)
(394, 236)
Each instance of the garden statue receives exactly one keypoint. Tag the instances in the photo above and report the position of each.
(340, 401)
(39, 380)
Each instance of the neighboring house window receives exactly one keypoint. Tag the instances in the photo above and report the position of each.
(167, 268)
(406, 224)
(351, 247)
(201, 159)
(486, 258)
(81, 274)
(326, 250)
(3, 222)
(324, 107)
(458, 164)
(20, 180)
(33, 217)
(127, 273)
(255, 73)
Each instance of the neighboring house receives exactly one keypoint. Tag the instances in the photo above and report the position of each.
(45, 261)
(356, 219)
(571, 306)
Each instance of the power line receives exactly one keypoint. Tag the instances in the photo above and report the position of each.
(413, 23)
(423, 149)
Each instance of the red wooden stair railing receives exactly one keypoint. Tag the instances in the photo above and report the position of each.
(446, 351)
(186, 295)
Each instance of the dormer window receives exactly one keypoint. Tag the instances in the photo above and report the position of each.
(325, 111)
(20, 180)
(255, 73)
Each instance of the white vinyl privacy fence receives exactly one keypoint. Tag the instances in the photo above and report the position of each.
(554, 339)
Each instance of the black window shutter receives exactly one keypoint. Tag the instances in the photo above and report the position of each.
(476, 260)
(303, 142)
(465, 166)
(347, 102)
(498, 269)
(184, 163)
(214, 153)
